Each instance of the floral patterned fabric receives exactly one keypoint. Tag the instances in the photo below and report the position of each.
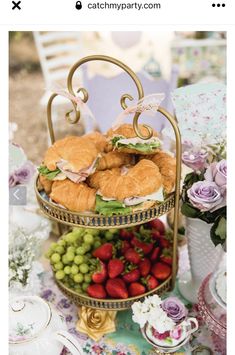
(127, 340)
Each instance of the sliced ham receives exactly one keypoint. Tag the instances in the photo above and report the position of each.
(79, 176)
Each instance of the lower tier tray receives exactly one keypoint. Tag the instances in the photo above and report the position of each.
(91, 220)
(111, 304)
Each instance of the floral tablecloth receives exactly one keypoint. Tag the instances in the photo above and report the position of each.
(127, 340)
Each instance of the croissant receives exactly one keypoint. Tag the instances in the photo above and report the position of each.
(124, 139)
(77, 152)
(114, 160)
(142, 179)
(74, 197)
(98, 139)
(44, 184)
(167, 167)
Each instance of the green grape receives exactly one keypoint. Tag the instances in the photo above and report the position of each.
(88, 238)
(60, 275)
(84, 268)
(59, 266)
(74, 269)
(93, 232)
(67, 270)
(113, 230)
(59, 249)
(48, 254)
(97, 244)
(85, 259)
(79, 259)
(87, 278)
(86, 246)
(78, 288)
(62, 243)
(78, 278)
(84, 286)
(65, 259)
(71, 238)
(55, 258)
(71, 249)
(80, 251)
(70, 255)
(53, 246)
(108, 235)
(71, 277)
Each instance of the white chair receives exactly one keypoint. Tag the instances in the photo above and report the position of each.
(57, 51)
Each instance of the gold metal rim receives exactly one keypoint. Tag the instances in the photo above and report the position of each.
(99, 221)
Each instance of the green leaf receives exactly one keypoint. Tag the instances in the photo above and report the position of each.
(50, 174)
(108, 208)
(189, 211)
(218, 231)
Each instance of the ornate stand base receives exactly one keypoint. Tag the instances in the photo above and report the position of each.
(95, 323)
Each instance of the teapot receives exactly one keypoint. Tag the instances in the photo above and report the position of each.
(37, 327)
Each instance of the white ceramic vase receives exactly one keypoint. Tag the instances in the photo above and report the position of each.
(203, 257)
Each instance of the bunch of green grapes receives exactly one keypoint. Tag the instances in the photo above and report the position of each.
(71, 257)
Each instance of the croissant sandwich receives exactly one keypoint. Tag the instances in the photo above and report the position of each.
(74, 197)
(167, 167)
(124, 139)
(114, 159)
(74, 158)
(120, 190)
(98, 139)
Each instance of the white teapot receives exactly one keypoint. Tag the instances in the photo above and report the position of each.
(36, 327)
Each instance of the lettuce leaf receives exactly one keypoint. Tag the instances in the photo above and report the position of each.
(142, 147)
(50, 174)
(108, 208)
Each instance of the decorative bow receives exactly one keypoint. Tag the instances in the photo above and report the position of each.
(148, 104)
(80, 105)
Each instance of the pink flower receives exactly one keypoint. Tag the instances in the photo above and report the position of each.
(176, 333)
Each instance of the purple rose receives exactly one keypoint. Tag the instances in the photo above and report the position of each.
(25, 173)
(217, 172)
(195, 160)
(206, 196)
(174, 308)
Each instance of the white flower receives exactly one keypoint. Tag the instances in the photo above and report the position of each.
(138, 315)
(160, 321)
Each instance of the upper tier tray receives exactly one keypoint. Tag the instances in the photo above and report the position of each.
(91, 220)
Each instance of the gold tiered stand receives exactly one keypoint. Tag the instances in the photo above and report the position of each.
(97, 316)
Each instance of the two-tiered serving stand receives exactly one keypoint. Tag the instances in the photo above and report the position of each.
(97, 316)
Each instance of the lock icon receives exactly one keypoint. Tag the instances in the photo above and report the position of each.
(78, 5)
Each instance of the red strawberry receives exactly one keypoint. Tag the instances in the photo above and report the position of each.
(146, 247)
(100, 274)
(164, 242)
(125, 234)
(144, 267)
(158, 225)
(104, 252)
(155, 234)
(166, 256)
(116, 288)
(132, 256)
(131, 276)
(154, 254)
(136, 289)
(115, 268)
(96, 291)
(125, 246)
(161, 271)
(150, 282)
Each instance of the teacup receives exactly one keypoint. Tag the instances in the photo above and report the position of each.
(185, 328)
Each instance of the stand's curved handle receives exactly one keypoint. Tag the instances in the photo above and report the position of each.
(129, 71)
(69, 341)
